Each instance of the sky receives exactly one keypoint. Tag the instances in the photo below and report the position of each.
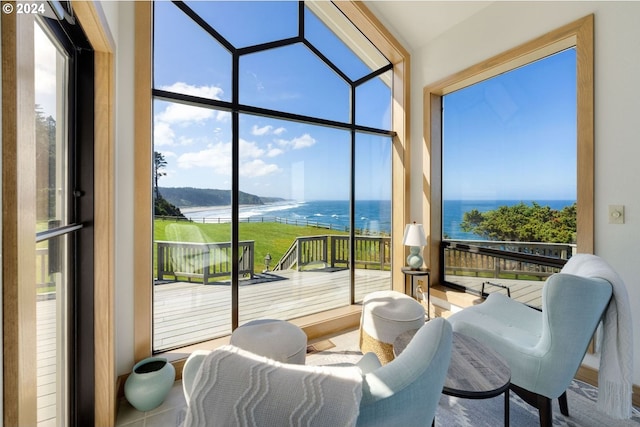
(278, 158)
(513, 137)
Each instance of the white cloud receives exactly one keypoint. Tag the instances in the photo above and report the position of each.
(163, 135)
(218, 158)
(303, 141)
(211, 92)
(255, 130)
(257, 167)
(223, 116)
(184, 115)
(250, 150)
(273, 151)
(267, 130)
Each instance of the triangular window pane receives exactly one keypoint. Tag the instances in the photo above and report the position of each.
(339, 27)
(316, 32)
(248, 23)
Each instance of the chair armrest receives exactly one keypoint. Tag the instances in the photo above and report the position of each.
(368, 363)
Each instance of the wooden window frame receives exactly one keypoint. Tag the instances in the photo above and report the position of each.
(373, 29)
(578, 34)
(19, 216)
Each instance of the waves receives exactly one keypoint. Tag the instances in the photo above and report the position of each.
(371, 215)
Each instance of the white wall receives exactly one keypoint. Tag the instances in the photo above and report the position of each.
(504, 25)
(120, 16)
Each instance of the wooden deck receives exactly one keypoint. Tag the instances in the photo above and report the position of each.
(526, 291)
(46, 368)
(187, 313)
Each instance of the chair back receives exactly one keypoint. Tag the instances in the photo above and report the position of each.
(406, 391)
(572, 307)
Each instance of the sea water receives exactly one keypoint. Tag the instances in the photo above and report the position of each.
(371, 215)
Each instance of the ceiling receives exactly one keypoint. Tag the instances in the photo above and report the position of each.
(416, 23)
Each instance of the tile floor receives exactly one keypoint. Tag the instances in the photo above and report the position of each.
(167, 414)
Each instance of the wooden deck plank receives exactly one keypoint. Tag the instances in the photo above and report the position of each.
(526, 291)
(185, 312)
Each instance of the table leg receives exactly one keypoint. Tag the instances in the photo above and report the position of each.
(506, 408)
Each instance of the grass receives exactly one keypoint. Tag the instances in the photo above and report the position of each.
(272, 238)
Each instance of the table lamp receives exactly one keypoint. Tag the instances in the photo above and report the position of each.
(415, 238)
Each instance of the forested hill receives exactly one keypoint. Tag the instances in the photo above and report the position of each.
(190, 197)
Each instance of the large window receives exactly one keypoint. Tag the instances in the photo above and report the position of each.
(273, 157)
(515, 153)
(48, 219)
(509, 174)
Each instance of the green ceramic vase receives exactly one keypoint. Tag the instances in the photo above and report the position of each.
(149, 383)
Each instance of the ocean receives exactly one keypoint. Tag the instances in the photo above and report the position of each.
(374, 216)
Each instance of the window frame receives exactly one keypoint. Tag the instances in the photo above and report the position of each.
(18, 228)
(371, 27)
(578, 34)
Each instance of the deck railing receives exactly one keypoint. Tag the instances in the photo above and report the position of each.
(517, 260)
(371, 251)
(45, 285)
(202, 260)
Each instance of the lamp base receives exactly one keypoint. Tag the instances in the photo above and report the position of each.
(414, 260)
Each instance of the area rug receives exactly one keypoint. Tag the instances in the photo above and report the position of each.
(581, 398)
(457, 412)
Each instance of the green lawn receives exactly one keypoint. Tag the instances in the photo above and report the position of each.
(269, 237)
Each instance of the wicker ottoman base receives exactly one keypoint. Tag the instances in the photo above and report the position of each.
(383, 350)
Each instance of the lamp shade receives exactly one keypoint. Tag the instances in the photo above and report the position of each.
(414, 235)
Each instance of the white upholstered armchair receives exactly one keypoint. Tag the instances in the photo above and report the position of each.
(545, 348)
(226, 386)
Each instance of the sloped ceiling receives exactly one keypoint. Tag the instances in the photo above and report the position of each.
(416, 23)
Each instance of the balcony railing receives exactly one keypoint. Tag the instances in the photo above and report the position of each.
(202, 261)
(512, 260)
(370, 251)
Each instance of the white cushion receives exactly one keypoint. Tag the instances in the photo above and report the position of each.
(276, 339)
(387, 314)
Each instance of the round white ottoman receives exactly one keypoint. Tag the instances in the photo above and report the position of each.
(276, 339)
(385, 315)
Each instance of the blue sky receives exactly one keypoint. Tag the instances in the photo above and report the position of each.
(513, 137)
(277, 158)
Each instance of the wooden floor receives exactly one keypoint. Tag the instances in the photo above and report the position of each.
(187, 313)
(526, 291)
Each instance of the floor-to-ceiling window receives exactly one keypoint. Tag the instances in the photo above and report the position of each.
(272, 177)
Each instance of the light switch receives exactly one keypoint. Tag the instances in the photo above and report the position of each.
(616, 214)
